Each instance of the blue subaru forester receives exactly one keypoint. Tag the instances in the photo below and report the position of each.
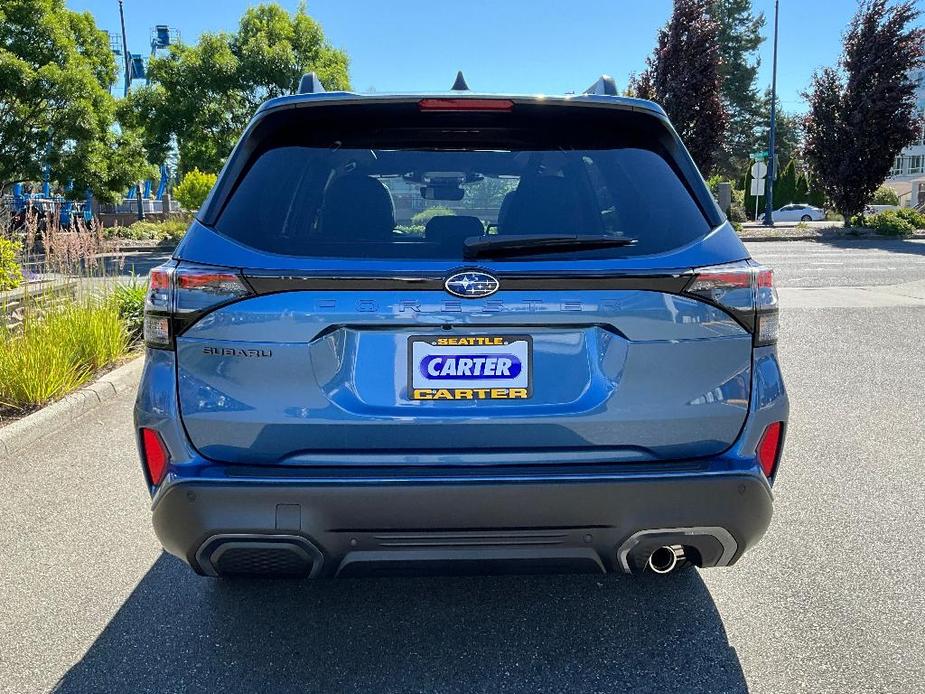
(459, 332)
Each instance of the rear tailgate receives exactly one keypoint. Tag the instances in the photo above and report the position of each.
(353, 351)
(321, 377)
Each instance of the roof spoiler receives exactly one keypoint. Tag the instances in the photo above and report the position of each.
(310, 84)
(605, 86)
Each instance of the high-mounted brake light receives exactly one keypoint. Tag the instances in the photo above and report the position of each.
(769, 448)
(466, 105)
(179, 294)
(747, 290)
(156, 456)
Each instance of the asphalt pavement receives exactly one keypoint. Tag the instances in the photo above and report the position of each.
(831, 601)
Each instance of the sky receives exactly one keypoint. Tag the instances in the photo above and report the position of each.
(520, 46)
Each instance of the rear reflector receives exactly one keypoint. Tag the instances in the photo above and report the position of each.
(155, 454)
(466, 104)
(769, 448)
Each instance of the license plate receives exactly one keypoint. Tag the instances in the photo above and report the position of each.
(470, 367)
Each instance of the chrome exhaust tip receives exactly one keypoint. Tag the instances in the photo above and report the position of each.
(665, 559)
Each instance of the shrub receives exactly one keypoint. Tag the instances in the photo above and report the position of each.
(194, 188)
(129, 300)
(10, 272)
(173, 229)
(138, 231)
(885, 196)
(891, 223)
(914, 217)
(421, 218)
(54, 354)
(168, 230)
(737, 214)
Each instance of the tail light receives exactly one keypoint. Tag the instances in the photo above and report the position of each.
(769, 448)
(156, 456)
(178, 294)
(747, 291)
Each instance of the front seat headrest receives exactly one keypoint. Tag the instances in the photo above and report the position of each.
(357, 207)
(452, 230)
(542, 205)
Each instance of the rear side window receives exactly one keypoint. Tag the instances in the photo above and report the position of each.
(422, 192)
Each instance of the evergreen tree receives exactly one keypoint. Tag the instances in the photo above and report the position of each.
(683, 76)
(739, 38)
(790, 133)
(785, 187)
(749, 198)
(863, 113)
(801, 194)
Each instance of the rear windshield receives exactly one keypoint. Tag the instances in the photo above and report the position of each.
(409, 193)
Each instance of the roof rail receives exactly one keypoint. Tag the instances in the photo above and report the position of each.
(460, 84)
(310, 84)
(605, 86)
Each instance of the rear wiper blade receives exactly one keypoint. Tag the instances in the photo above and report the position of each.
(507, 246)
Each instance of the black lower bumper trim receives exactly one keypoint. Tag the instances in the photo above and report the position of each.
(460, 527)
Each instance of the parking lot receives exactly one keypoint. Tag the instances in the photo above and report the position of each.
(831, 601)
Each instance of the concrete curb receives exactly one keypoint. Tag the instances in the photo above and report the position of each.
(21, 434)
(809, 236)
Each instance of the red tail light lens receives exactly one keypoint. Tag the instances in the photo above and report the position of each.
(769, 448)
(466, 105)
(155, 455)
(747, 290)
(178, 293)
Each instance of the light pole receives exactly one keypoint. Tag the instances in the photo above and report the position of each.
(125, 55)
(772, 139)
(127, 59)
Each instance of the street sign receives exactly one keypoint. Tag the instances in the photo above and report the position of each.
(758, 156)
(758, 187)
(759, 169)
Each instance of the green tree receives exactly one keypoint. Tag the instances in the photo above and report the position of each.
(816, 196)
(785, 187)
(200, 97)
(749, 198)
(790, 133)
(801, 194)
(862, 113)
(683, 76)
(885, 196)
(739, 38)
(55, 108)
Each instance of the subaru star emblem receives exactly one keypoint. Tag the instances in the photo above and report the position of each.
(471, 284)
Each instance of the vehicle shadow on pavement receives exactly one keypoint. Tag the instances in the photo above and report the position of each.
(180, 632)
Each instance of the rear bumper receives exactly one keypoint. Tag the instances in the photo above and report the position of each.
(362, 526)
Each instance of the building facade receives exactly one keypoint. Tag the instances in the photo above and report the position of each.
(908, 175)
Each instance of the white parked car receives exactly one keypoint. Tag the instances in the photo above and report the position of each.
(799, 213)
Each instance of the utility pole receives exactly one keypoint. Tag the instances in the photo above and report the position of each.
(127, 59)
(772, 143)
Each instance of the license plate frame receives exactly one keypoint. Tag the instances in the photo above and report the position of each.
(514, 348)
